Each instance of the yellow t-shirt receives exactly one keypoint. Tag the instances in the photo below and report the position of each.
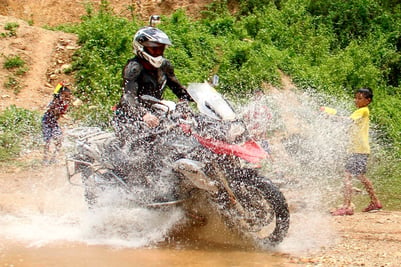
(360, 131)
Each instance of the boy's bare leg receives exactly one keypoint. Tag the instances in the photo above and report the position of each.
(347, 190)
(369, 188)
(346, 209)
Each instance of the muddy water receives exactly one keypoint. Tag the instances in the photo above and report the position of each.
(82, 255)
(44, 222)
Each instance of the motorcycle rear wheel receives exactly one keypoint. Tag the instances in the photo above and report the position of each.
(262, 214)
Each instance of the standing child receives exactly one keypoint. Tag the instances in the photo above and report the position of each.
(50, 128)
(359, 151)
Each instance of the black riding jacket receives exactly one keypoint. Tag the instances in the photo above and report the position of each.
(137, 81)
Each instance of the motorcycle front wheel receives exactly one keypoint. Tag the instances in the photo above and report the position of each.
(258, 209)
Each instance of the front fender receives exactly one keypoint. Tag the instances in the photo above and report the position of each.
(192, 170)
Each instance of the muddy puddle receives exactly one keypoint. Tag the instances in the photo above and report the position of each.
(72, 254)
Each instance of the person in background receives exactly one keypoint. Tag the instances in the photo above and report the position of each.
(146, 74)
(51, 130)
(359, 151)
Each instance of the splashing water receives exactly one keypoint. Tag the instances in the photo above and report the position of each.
(307, 148)
(129, 227)
(41, 208)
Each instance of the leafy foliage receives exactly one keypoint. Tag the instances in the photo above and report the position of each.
(333, 46)
(13, 62)
(16, 65)
(11, 29)
(105, 41)
(19, 128)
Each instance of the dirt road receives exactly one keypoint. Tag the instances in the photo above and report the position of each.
(365, 239)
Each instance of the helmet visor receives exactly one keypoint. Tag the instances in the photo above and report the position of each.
(152, 44)
(155, 51)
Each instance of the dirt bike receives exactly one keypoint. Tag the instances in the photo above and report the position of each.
(190, 158)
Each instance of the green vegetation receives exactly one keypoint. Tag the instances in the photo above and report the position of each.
(11, 29)
(12, 83)
(19, 128)
(333, 47)
(12, 62)
(16, 65)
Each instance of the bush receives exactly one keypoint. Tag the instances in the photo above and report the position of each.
(106, 45)
(11, 28)
(9, 149)
(19, 128)
(319, 44)
(12, 62)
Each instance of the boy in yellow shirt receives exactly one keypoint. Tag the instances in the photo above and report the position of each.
(359, 151)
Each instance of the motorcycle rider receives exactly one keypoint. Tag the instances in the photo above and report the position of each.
(146, 74)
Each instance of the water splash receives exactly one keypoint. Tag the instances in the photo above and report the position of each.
(129, 227)
(43, 208)
(308, 149)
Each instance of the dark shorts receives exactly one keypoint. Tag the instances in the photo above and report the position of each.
(357, 164)
(50, 129)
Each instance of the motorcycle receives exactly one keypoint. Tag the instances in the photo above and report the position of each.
(190, 158)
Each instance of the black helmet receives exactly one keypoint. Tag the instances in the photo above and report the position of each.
(150, 37)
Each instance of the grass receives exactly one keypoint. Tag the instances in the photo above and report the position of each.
(18, 67)
(19, 129)
(13, 62)
(11, 29)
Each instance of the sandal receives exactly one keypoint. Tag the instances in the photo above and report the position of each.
(343, 212)
(373, 207)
